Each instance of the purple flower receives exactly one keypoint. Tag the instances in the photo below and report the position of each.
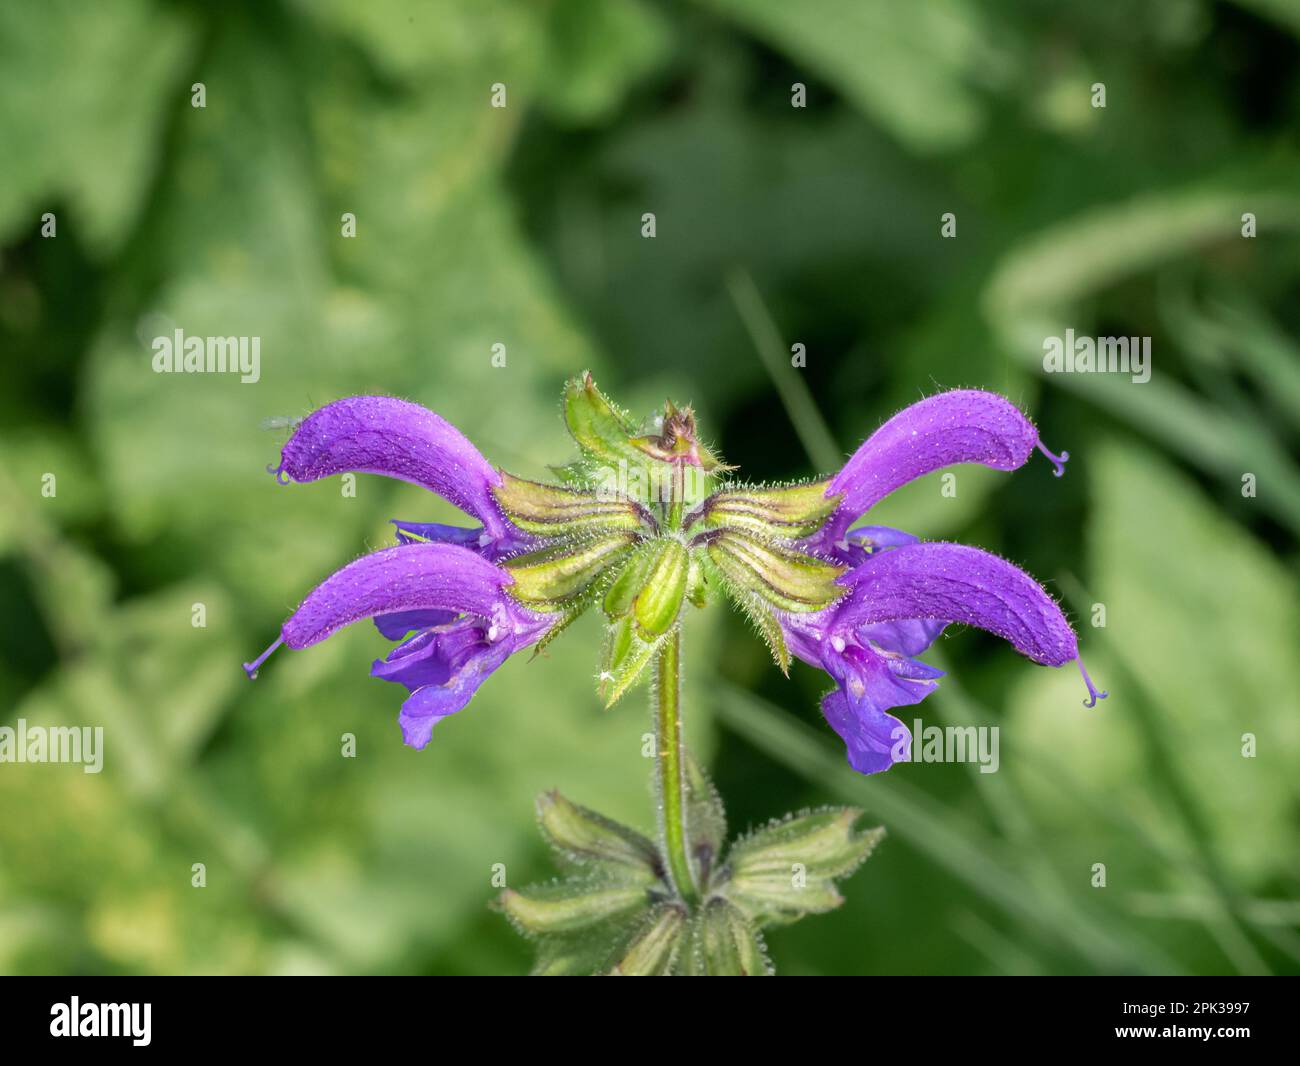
(860, 603)
(439, 591)
(382, 435)
(961, 426)
(902, 593)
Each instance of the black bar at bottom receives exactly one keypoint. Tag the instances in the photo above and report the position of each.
(144, 1014)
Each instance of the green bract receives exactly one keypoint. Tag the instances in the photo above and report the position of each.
(617, 912)
(603, 432)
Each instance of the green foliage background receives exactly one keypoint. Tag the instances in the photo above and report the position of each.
(522, 226)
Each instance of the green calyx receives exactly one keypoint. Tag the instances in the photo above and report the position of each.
(788, 869)
(787, 579)
(606, 433)
(676, 441)
(662, 463)
(557, 511)
(724, 943)
(651, 586)
(654, 948)
(584, 838)
(785, 513)
(560, 577)
(643, 604)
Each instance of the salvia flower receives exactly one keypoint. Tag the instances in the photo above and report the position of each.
(438, 592)
(901, 592)
(642, 525)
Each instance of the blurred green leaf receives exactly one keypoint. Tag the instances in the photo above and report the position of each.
(597, 50)
(1040, 289)
(926, 60)
(84, 91)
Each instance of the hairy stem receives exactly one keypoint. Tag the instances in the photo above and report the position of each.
(670, 749)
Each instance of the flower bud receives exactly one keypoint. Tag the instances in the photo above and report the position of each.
(625, 654)
(620, 597)
(600, 429)
(788, 513)
(584, 838)
(651, 587)
(644, 603)
(553, 578)
(724, 943)
(567, 906)
(555, 511)
(653, 949)
(787, 869)
(677, 442)
(787, 579)
(660, 600)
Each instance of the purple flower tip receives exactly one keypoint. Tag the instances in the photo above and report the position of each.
(394, 438)
(1092, 689)
(281, 477)
(251, 668)
(1058, 461)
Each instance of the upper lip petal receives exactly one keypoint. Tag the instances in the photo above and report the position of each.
(384, 435)
(958, 583)
(961, 426)
(410, 577)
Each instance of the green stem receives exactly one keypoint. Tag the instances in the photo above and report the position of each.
(673, 517)
(670, 748)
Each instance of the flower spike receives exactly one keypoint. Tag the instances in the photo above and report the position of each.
(642, 528)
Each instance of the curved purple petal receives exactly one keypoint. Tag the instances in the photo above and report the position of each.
(439, 533)
(395, 626)
(871, 684)
(509, 541)
(462, 670)
(956, 583)
(857, 545)
(876, 538)
(961, 426)
(383, 435)
(410, 577)
(811, 637)
(909, 636)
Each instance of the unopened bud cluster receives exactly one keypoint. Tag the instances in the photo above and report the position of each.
(642, 563)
